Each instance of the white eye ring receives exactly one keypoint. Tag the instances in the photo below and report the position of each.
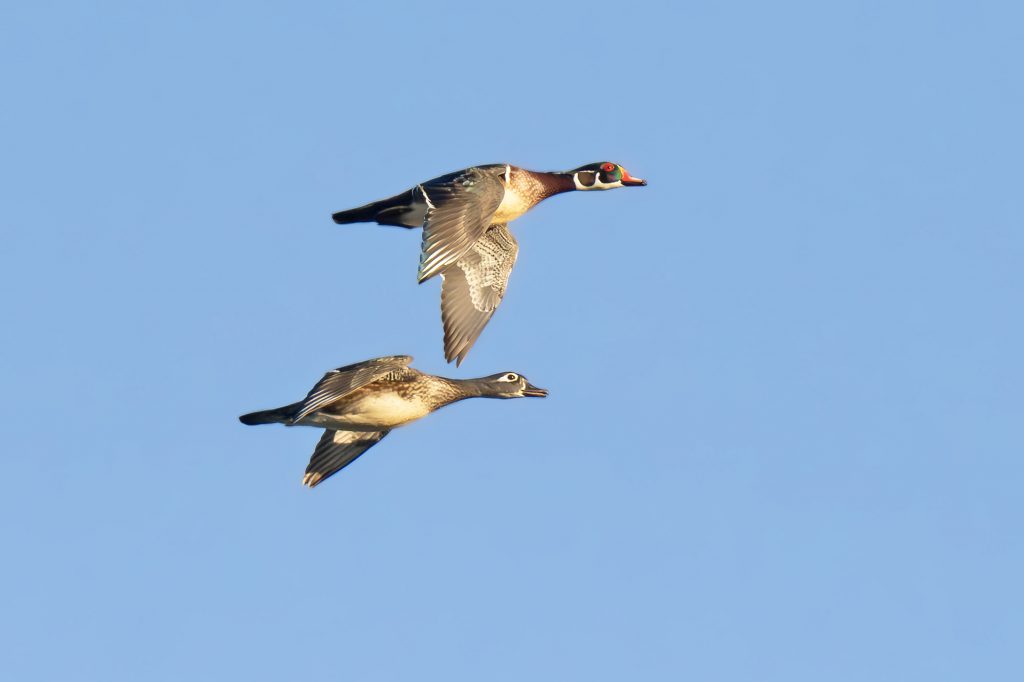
(511, 376)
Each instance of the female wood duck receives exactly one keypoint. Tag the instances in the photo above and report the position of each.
(465, 217)
(359, 404)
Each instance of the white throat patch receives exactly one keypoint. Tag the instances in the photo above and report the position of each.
(597, 183)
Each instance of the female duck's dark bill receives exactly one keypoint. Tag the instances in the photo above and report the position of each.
(532, 391)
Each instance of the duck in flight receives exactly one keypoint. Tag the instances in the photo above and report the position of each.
(466, 240)
(359, 404)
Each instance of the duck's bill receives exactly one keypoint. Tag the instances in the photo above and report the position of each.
(532, 391)
(630, 181)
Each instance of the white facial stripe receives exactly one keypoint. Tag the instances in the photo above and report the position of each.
(597, 183)
(508, 173)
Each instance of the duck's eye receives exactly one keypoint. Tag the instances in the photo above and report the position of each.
(511, 377)
(608, 167)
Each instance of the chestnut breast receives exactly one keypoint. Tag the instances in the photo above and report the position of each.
(522, 192)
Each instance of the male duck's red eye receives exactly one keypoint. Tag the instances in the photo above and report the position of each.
(608, 167)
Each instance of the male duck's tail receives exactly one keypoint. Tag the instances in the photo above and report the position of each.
(363, 214)
(402, 210)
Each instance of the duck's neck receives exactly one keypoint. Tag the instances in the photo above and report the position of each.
(555, 183)
(469, 388)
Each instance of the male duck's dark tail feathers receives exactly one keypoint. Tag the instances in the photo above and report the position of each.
(363, 214)
(401, 210)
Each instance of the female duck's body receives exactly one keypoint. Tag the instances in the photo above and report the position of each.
(359, 404)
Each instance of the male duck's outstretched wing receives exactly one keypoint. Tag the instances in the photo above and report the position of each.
(340, 382)
(336, 450)
(472, 288)
(459, 210)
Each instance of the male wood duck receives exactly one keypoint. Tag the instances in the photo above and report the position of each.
(359, 404)
(465, 217)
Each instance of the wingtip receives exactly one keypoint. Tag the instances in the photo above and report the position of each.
(424, 274)
(455, 350)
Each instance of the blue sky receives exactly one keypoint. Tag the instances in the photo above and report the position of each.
(784, 437)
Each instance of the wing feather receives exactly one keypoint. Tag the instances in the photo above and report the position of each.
(340, 382)
(335, 451)
(459, 211)
(473, 287)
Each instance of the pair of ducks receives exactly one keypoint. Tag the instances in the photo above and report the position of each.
(464, 216)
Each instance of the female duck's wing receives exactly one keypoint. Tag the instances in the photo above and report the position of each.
(340, 382)
(335, 451)
(459, 211)
(473, 287)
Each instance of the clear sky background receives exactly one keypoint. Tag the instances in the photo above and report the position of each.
(785, 437)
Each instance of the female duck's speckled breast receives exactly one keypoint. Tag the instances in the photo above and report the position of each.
(370, 411)
(386, 404)
(385, 408)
